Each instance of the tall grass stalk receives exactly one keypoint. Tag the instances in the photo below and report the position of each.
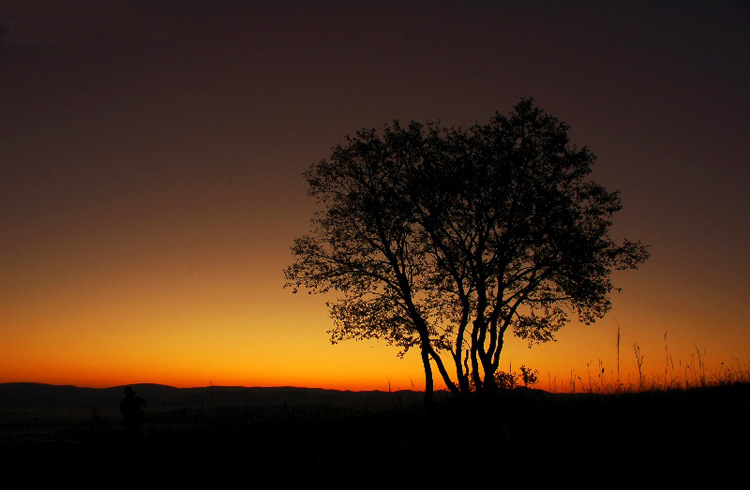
(666, 361)
(639, 361)
(619, 337)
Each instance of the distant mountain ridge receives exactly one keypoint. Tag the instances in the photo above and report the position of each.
(40, 395)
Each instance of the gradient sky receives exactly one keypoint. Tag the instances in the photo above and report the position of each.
(151, 154)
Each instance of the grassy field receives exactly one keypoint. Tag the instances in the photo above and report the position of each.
(530, 437)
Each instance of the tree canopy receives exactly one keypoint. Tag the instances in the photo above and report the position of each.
(445, 239)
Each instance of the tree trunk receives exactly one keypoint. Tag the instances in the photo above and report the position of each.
(489, 386)
(428, 383)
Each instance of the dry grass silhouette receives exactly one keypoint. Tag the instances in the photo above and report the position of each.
(692, 373)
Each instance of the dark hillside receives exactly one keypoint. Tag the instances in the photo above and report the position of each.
(161, 397)
(528, 438)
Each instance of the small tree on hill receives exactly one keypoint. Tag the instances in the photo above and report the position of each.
(444, 239)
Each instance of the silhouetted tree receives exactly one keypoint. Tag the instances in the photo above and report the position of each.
(446, 238)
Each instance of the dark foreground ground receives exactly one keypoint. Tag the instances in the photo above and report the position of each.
(524, 439)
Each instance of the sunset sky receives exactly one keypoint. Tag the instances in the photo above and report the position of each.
(151, 154)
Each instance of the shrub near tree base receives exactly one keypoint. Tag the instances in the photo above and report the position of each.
(444, 239)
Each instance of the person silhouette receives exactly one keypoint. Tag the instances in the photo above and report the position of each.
(131, 408)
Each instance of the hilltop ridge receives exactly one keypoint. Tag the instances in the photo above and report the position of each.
(41, 395)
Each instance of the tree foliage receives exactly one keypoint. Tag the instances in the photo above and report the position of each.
(447, 238)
